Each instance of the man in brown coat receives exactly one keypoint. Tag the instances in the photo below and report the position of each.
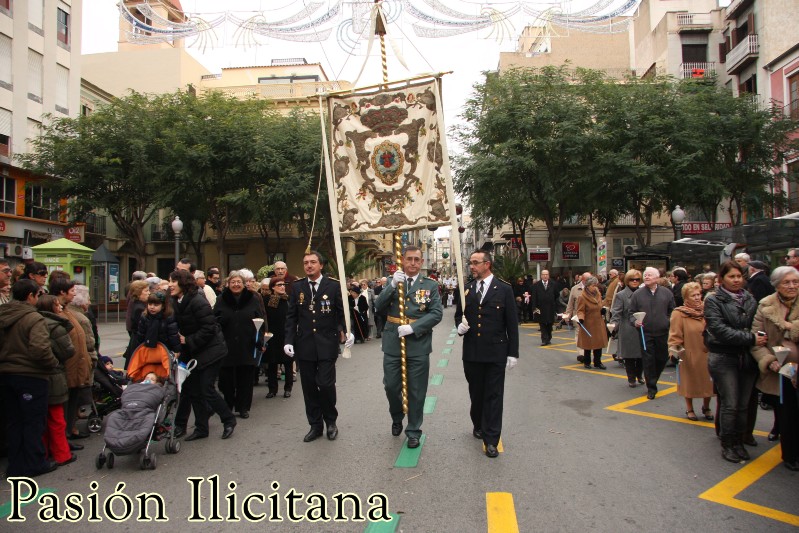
(26, 360)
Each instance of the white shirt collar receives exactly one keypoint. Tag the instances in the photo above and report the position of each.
(487, 280)
(317, 280)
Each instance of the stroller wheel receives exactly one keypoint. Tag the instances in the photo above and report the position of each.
(110, 459)
(172, 446)
(148, 461)
(95, 424)
(99, 461)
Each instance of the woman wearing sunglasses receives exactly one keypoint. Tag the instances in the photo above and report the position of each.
(629, 348)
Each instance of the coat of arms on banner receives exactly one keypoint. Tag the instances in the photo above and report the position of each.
(387, 159)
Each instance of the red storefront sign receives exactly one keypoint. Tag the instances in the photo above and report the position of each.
(695, 228)
(74, 234)
(539, 256)
(570, 250)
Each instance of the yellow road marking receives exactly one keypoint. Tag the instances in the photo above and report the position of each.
(500, 448)
(501, 513)
(726, 490)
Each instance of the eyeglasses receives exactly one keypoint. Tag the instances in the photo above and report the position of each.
(41, 273)
(475, 263)
(280, 285)
(6, 270)
(636, 279)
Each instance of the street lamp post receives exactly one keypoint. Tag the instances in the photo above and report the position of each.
(177, 227)
(677, 217)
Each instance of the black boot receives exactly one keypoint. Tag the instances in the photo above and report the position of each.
(727, 451)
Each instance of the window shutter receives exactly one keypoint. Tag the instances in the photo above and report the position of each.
(722, 53)
(5, 58)
(5, 122)
(750, 23)
(62, 88)
(34, 73)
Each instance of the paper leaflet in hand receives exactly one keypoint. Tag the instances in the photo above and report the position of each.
(184, 371)
(789, 370)
(639, 316)
(257, 322)
(611, 327)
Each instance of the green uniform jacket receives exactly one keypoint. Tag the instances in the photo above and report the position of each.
(423, 305)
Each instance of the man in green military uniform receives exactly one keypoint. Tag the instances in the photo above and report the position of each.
(422, 311)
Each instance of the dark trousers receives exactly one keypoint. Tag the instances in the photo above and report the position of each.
(235, 384)
(272, 378)
(634, 368)
(486, 392)
(380, 321)
(597, 357)
(25, 400)
(77, 396)
(318, 380)
(546, 332)
(787, 414)
(205, 400)
(734, 386)
(418, 378)
(654, 360)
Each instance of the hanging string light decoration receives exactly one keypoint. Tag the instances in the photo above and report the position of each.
(350, 20)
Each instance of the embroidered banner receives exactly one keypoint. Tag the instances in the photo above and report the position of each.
(387, 160)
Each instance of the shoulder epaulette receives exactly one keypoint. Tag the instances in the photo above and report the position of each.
(300, 279)
(332, 278)
(502, 280)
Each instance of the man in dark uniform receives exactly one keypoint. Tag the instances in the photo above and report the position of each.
(315, 323)
(422, 312)
(545, 297)
(490, 331)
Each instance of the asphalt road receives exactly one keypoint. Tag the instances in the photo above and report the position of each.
(581, 452)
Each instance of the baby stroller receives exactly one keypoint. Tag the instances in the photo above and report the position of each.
(106, 394)
(145, 410)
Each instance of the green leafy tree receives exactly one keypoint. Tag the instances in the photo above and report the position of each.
(113, 159)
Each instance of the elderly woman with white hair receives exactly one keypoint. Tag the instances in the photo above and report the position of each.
(778, 316)
(592, 334)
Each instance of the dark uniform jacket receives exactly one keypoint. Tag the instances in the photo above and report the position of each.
(493, 334)
(422, 305)
(313, 324)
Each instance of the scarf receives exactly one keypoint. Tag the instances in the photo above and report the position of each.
(274, 300)
(737, 296)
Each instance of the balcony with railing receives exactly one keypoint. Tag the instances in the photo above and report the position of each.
(95, 224)
(697, 70)
(744, 53)
(694, 22)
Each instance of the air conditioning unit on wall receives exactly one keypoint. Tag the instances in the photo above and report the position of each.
(630, 249)
(15, 250)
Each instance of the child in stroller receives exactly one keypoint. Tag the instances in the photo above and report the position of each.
(145, 411)
(106, 392)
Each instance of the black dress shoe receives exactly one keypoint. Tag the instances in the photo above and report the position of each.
(792, 466)
(75, 447)
(271, 394)
(49, 467)
(650, 395)
(332, 432)
(228, 431)
(73, 436)
(491, 451)
(772, 437)
(179, 432)
(396, 428)
(478, 433)
(413, 442)
(70, 460)
(314, 434)
(244, 414)
(601, 366)
(287, 394)
(749, 440)
(194, 436)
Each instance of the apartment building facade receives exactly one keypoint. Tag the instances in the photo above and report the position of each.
(39, 74)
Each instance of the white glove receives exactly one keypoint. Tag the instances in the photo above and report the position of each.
(463, 327)
(511, 363)
(404, 329)
(397, 278)
(350, 340)
(289, 350)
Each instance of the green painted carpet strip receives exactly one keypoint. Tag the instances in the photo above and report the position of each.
(384, 527)
(452, 335)
(451, 341)
(446, 351)
(437, 379)
(442, 363)
(409, 457)
(430, 404)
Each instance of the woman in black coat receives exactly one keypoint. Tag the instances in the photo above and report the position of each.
(201, 340)
(235, 310)
(277, 305)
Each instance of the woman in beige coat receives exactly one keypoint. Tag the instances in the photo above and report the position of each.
(778, 316)
(589, 314)
(686, 344)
